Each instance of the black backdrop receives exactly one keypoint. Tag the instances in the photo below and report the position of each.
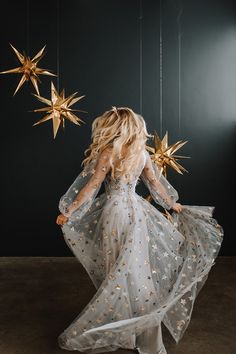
(99, 56)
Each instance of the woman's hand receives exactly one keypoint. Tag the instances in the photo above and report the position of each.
(177, 207)
(61, 219)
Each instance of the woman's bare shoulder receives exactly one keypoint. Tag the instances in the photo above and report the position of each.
(106, 153)
(108, 149)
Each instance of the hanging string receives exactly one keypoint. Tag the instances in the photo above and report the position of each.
(179, 70)
(58, 47)
(161, 69)
(140, 57)
(27, 26)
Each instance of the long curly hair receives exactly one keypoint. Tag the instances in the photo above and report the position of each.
(114, 129)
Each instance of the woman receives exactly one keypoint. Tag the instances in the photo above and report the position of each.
(146, 269)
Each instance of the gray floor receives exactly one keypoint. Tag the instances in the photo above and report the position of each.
(41, 296)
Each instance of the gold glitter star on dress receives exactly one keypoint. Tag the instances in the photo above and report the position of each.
(163, 155)
(28, 69)
(58, 108)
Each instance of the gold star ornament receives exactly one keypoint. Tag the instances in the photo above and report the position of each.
(58, 109)
(163, 155)
(28, 69)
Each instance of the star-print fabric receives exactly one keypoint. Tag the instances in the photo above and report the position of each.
(146, 269)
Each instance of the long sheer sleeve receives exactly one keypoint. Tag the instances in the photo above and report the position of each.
(160, 189)
(79, 197)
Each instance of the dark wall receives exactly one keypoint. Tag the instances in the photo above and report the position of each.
(99, 56)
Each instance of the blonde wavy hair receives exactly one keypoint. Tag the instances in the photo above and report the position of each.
(114, 129)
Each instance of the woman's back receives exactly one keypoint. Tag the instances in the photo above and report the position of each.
(131, 176)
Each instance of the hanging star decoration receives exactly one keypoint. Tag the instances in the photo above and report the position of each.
(28, 69)
(163, 156)
(58, 109)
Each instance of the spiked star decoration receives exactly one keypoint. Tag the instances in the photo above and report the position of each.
(28, 69)
(58, 108)
(163, 155)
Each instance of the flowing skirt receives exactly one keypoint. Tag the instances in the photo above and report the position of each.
(146, 269)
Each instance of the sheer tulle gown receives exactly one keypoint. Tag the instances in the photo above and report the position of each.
(146, 269)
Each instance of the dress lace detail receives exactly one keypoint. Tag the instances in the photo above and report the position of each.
(147, 271)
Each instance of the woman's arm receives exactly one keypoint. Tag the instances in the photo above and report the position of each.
(98, 175)
(160, 189)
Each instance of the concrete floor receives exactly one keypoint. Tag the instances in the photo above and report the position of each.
(40, 296)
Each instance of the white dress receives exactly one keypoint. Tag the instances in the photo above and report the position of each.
(146, 270)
